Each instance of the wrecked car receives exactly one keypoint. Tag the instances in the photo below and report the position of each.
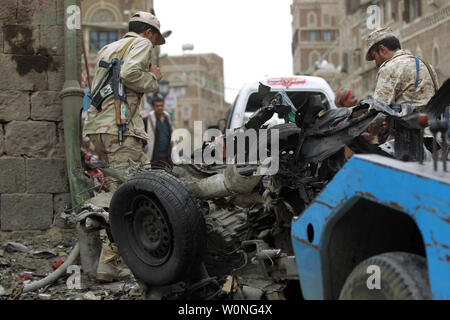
(223, 231)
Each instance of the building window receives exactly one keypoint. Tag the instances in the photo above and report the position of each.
(419, 51)
(314, 57)
(394, 9)
(352, 6)
(335, 59)
(103, 16)
(436, 57)
(326, 19)
(186, 112)
(312, 35)
(413, 9)
(312, 19)
(295, 42)
(345, 64)
(99, 39)
(327, 36)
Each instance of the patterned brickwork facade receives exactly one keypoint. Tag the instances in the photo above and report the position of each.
(33, 179)
(422, 27)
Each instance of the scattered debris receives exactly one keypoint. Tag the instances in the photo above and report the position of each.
(23, 276)
(91, 296)
(226, 288)
(44, 296)
(58, 262)
(15, 246)
(4, 262)
(45, 254)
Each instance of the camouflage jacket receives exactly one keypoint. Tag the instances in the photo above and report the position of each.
(137, 80)
(396, 81)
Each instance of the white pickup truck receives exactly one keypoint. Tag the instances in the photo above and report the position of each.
(298, 88)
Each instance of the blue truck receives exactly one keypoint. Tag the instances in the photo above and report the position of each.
(377, 215)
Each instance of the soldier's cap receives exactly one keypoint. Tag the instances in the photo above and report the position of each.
(148, 18)
(375, 37)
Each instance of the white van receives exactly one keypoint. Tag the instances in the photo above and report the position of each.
(298, 88)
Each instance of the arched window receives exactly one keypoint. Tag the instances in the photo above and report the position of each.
(436, 57)
(419, 51)
(313, 57)
(103, 15)
(98, 38)
(312, 19)
(335, 59)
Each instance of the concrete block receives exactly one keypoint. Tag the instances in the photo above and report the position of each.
(14, 105)
(20, 39)
(52, 38)
(46, 105)
(47, 176)
(60, 142)
(56, 76)
(32, 139)
(32, 12)
(8, 12)
(12, 175)
(61, 202)
(25, 72)
(2, 140)
(1, 41)
(26, 212)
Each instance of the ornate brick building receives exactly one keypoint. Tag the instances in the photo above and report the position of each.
(315, 31)
(421, 25)
(106, 21)
(197, 82)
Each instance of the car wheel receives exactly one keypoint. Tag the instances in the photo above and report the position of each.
(403, 276)
(158, 228)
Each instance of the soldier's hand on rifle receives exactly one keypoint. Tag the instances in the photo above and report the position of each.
(155, 70)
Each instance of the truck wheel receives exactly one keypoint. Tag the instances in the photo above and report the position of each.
(158, 228)
(403, 276)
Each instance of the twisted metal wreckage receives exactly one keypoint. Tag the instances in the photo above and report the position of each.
(223, 231)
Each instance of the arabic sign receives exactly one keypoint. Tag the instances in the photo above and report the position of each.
(286, 82)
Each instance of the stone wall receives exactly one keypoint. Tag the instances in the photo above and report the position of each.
(33, 180)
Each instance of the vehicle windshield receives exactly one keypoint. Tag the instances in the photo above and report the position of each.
(296, 97)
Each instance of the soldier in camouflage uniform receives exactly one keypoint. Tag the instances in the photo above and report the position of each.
(100, 128)
(396, 78)
(138, 77)
(397, 81)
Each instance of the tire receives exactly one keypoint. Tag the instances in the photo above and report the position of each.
(404, 276)
(158, 228)
(198, 221)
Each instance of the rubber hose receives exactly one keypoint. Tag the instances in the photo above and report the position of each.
(52, 277)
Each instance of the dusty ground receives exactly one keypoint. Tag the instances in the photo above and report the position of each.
(33, 259)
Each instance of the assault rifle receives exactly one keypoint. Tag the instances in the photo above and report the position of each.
(112, 84)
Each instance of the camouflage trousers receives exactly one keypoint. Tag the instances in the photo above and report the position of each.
(107, 148)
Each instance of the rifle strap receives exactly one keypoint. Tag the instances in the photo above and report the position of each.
(121, 54)
(124, 49)
(430, 71)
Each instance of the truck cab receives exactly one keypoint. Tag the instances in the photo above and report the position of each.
(298, 89)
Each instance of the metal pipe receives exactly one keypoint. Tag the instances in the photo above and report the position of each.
(223, 184)
(72, 102)
(52, 277)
